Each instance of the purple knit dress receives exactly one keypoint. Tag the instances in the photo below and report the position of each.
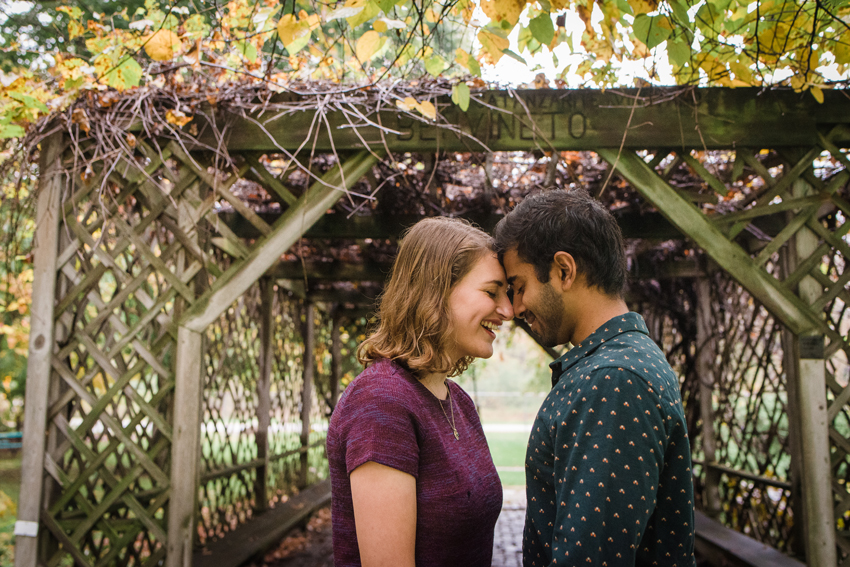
(387, 416)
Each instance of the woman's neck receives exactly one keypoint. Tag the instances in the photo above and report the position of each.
(436, 384)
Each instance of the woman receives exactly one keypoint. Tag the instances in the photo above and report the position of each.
(412, 477)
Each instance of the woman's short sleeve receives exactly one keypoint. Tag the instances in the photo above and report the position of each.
(374, 424)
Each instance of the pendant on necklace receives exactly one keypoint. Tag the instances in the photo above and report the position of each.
(457, 437)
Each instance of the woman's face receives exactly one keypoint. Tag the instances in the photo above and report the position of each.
(478, 305)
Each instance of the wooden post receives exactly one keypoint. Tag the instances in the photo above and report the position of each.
(309, 332)
(185, 448)
(336, 354)
(264, 403)
(814, 422)
(790, 355)
(705, 375)
(41, 345)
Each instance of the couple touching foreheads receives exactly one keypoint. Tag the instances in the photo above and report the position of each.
(608, 466)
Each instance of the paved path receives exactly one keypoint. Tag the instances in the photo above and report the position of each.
(507, 544)
(312, 547)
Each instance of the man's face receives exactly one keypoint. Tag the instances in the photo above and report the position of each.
(539, 304)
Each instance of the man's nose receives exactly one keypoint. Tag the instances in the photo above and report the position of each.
(505, 309)
(518, 307)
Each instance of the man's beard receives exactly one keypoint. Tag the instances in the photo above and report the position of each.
(548, 314)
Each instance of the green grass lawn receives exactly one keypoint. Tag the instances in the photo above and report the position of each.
(10, 484)
(508, 450)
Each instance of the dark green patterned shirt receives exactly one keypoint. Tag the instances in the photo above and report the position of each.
(608, 465)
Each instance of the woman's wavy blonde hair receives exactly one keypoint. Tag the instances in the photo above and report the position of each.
(413, 312)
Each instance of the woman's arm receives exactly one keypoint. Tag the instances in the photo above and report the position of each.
(384, 501)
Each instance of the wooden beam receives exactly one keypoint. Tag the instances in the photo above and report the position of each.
(332, 271)
(724, 546)
(185, 448)
(264, 403)
(285, 232)
(358, 297)
(662, 118)
(336, 354)
(651, 226)
(379, 272)
(783, 304)
(309, 370)
(705, 375)
(45, 249)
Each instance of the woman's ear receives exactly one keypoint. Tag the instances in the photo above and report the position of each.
(563, 270)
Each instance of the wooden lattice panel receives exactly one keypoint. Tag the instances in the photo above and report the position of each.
(230, 457)
(751, 416)
(136, 251)
(783, 215)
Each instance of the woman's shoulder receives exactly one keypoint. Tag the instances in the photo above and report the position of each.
(383, 381)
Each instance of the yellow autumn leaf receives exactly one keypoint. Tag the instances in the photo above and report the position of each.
(493, 44)
(162, 45)
(287, 28)
(742, 71)
(367, 45)
(427, 109)
(177, 118)
(406, 104)
(379, 26)
(817, 93)
(499, 10)
(643, 6)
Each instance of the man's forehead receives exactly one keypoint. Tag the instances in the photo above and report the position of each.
(515, 267)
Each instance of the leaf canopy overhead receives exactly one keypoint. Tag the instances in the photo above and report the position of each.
(53, 56)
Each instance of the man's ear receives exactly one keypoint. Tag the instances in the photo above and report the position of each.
(563, 272)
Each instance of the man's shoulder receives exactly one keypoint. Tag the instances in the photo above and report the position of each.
(627, 366)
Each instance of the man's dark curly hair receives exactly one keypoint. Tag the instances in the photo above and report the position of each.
(569, 221)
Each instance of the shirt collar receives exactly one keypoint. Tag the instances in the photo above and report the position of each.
(616, 326)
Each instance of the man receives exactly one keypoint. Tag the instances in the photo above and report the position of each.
(608, 464)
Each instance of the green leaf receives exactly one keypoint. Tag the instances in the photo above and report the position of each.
(625, 7)
(11, 131)
(473, 66)
(435, 65)
(547, 7)
(460, 96)
(648, 30)
(513, 55)
(247, 49)
(386, 6)
(28, 101)
(710, 17)
(678, 52)
(73, 12)
(370, 10)
(542, 28)
(124, 76)
(680, 11)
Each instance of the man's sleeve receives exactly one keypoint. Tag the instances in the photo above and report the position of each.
(609, 451)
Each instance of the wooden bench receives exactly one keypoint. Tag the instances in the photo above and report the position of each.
(722, 546)
(11, 440)
(263, 531)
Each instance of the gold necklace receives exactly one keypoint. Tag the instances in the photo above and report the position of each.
(452, 410)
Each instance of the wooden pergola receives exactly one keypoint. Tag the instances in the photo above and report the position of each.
(157, 241)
